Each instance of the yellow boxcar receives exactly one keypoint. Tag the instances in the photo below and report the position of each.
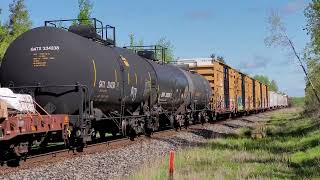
(267, 97)
(208, 72)
(257, 95)
(219, 95)
(249, 93)
(232, 90)
(214, 73)
(264, 96)
(222, 80)
(239, 88)
(243, 91)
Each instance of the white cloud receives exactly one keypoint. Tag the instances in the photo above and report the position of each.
(256, 62)
(200, 14)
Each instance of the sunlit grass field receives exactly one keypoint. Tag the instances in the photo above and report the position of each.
(285, 147)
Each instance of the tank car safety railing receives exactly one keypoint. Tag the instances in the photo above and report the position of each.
(157, 49)
(58, 23)
(113, 33)
(97, 24)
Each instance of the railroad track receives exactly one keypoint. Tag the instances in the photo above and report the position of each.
(107, 143)
(62, 154)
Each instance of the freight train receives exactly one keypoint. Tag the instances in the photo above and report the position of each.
(234, 92)
(73, 84)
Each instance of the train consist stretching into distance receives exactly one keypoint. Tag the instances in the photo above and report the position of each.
(73, 85)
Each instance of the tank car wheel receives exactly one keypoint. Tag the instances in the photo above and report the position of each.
(14, 162)
(175, 123)
(132, 134)
(114, 133)
(202, 119)
(217, 116)
(66, 143)
(124, 125)
(80, 145)
(210, 116)
(147, 132)
(80, 148)
(172, 121)
(102, 134)
(186, 122)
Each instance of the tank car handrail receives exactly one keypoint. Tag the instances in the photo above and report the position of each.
(66, 20)
(104, 35)
(153, 48)
(52, 22)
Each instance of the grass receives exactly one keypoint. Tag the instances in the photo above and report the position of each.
(297, 101)
(288, 148)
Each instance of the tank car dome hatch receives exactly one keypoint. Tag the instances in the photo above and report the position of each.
(182, 66)
(87, 31)
(151, 52)
(147, 54)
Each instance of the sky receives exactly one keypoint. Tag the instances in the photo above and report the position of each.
(197, 28)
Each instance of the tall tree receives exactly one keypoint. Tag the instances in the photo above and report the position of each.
(265, 80)
(312, 13)
(279, 37)
(3, 39)
(162, 42)
(85, 10)
(19, 19)
(19, 22)
(221, 59)
(165, 43)
(273, 86)
(133, 42)
(312, 54)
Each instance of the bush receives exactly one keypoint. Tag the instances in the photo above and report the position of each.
(245, 132)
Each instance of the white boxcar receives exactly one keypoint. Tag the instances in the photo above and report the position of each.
(286, 100)
(272, 99)
(277, 100)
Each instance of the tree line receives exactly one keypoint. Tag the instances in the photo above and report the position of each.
(265, 80)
